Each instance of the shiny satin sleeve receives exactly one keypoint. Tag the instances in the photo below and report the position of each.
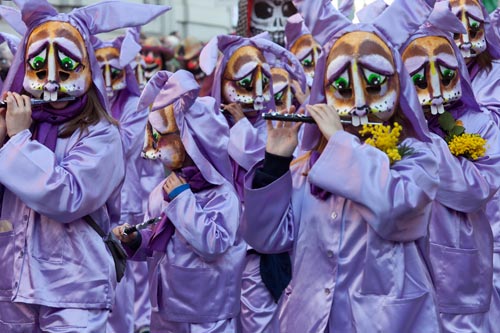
(132, 127)
(268, 225)
(210, 229)
(486, 86)
(88, 174)
(467, 185)
(393, 199)
(247, 144)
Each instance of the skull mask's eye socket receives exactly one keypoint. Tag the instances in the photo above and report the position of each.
(289, 9)
(263, 10)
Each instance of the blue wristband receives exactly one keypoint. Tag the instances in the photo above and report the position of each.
(178, 190)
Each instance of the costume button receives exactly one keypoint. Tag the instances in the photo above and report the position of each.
(329, 254)
(333, 216)
(327, 291)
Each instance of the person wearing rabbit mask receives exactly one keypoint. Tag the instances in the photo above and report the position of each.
(351, 213)
(115, 58)
(65, 165)
(480, 46)
(195, 253)
(459, 247)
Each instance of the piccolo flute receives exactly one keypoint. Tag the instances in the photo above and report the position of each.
(301, 118)
(35, 101)
(141, 226)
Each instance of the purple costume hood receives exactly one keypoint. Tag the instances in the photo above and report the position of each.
(442, 23)
(393, 26)
(227, 45)
(129, 47)
(294, 29)
(89, 20)
(203, 129)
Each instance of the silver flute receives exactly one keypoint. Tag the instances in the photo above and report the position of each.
(141, 226)
(297, 117)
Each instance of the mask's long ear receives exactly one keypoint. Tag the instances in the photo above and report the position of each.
(347, 8)
(321, 18)
(11, 40)
(210, 52)
(110, 15)
(34, 10)
(13, 17)
(443, 19)
(370, 12)
(164, 88)
(129, 49)
(401, 19)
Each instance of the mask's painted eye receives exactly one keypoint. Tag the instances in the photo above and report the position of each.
(342, 82)
(38, 61)
(419, 79)
(474, 24)
(308, 61)
(115, 72)
(246, 82)
(447, 74)
(67, 63)
(374, 79)
(156, 135)
(279, 96)
(265, 79)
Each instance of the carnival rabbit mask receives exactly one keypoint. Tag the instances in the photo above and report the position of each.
(470, 13)
(361, 80)
(114, 75)
(162, 140)
(307, 50)
(246, 79)
(433, 66)
(57, 62)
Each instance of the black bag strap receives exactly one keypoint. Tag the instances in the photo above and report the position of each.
(94, 225)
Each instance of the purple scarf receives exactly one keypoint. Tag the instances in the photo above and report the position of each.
(163, 231)
(47, 120)
(318, 192)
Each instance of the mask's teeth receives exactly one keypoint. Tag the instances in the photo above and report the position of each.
(46, 96)
(466, 53)
(434, 110)
(53, 96)
(355, 121)
(364, 120)
(440, 108)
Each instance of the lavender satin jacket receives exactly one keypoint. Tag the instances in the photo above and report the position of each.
(461, 242)
(54, 258)
(356, 267)
(132, 126)
(198, 278)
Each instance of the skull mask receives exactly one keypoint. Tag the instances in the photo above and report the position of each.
(271, 16)
(470, 13)
(57, 62)
(433, 65)
(307, 50)
(361, 82)
(162, 139)
(114, 76)
(246, 79)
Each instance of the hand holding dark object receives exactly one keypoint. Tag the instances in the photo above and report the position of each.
(327, 118)
(282, 138)
(122, 236)
(18, 114)
(235, 110)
